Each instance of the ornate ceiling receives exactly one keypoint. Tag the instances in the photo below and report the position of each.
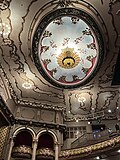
(67, 49)
(61, 55)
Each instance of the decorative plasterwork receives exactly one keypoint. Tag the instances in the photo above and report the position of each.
(82, 103)
(18, 67)
(4, 91)
(45, 152)
(22, 151)
(60, 127)
(65, 3)
(90, 150)
(90, 105)
(4, 4)
(41, 105)
(27, 103)
(11, 119)
(114, 11)
(14, 62)
(4, 109)
(68, 58)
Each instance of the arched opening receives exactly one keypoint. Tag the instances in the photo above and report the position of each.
(45, 148)
(22, 145)
(46, 141)
(23, 138)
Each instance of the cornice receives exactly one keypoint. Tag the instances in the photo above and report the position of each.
(19, 101)
(13, 120)
(60, 127)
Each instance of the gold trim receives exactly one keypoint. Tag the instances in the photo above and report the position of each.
(68, 58)
(22, 149)
(45, 152)
(89, 149)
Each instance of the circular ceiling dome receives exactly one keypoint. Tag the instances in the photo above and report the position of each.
(67, 47)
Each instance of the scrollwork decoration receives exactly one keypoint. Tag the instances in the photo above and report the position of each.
(64, 3)
(4, 4)
(114, 1)
(111, 3)
(102, 1)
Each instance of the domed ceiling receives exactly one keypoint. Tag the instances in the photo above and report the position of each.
(51, 55)
(67, 47)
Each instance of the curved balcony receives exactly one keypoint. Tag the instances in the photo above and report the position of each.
(22, 151)
(90, 150)
(45, 153)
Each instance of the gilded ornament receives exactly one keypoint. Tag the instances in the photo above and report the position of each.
(68, 58)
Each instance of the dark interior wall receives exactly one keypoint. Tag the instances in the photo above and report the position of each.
(45, 141)
(3, 121)
(116, 75)
(23, 138)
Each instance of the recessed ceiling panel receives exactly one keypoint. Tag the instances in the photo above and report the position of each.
(67, 47)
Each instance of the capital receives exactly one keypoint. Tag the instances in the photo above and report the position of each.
(35, 140)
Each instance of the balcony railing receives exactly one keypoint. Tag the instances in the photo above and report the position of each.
(90, 138)
(45, 153)
(22, 151)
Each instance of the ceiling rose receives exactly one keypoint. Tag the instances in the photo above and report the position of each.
(67, 47)
(68, 58)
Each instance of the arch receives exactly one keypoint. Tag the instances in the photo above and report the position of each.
(45, 141)
(24, 137)
(51, 133)
(24, 128)
(22, 143)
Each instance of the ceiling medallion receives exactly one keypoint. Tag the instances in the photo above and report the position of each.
(68, 58)
(68, 47)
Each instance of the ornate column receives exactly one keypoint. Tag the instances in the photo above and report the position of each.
(10, 148)
(56, 150)
(35, 142)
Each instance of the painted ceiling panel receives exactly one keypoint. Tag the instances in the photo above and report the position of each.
(68, 48)
(67, 64)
